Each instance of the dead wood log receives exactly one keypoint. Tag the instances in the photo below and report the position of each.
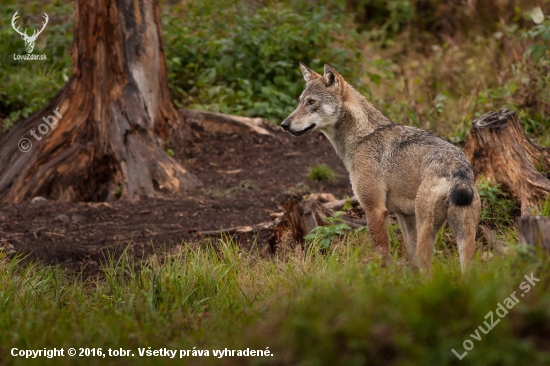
(241, 229)
(534, 230)
(225, 123)
(498, 149)
(339, 205)
(302, 218)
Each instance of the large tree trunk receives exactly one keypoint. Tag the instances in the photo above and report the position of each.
(115, 110)
(499, 150)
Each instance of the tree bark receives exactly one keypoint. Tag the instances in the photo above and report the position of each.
(498, 149)
(110, 118)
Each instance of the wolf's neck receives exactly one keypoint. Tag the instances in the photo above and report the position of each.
(359, 119)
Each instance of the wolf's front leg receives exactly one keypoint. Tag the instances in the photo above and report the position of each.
(377, 223)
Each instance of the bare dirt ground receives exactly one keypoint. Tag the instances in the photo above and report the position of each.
(246, 177)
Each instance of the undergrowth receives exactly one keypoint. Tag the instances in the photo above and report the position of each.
(324, 235)
(332, 306)
(497, 208)
(243, 59)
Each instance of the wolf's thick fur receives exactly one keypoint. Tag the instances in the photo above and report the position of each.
(423, 179)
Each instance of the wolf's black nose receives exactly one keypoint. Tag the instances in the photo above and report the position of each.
(285, 125)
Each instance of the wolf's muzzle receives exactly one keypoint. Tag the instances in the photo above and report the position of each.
(300, 133)
(286, 124)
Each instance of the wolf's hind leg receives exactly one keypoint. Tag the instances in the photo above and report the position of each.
(463, 222)
(431, 214)
(407, 223)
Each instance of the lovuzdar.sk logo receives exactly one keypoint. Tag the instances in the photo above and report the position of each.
(29, 40)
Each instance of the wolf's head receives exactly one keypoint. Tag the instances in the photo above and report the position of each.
(320, 104)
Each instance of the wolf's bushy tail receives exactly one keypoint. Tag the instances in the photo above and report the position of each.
(461, 192)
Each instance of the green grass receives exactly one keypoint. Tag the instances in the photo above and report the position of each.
(340, 307)
(321, 173)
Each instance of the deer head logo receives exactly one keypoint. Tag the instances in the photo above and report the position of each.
(29, 40)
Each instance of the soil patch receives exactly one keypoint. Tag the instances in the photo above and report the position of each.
(246, 178)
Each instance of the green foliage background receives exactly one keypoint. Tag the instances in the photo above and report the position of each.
(242, 58)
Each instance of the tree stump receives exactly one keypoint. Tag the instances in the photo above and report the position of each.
(498, 149)
(534, 230)
(301, 218)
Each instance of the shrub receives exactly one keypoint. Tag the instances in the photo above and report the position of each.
(383, 19)
(227, 58)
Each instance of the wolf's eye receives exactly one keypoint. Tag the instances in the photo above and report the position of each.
(311, 101)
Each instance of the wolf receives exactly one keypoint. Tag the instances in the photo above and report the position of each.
(421, 178)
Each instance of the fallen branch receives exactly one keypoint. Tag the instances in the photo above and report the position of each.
(225, 123)
(241, 229)
(339, 205)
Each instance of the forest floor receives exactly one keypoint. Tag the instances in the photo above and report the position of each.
(246, 177)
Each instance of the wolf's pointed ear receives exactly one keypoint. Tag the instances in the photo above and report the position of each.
(332, 78)
(308, 73)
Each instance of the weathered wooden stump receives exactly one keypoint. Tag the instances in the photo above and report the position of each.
(534, 230)
(498, 149)
(301, 218)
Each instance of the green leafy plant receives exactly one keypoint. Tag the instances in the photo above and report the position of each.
(321, 172)
(324, 235)
(348, 206)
